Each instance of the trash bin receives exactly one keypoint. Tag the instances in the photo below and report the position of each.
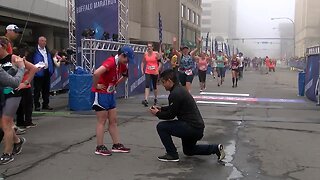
(80, 92)
(301, 83)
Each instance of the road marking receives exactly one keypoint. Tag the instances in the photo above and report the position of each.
(242, 99)
(216, 102)
(225, 98)
(224, 94)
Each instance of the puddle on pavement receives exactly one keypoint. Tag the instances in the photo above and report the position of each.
(230, 152)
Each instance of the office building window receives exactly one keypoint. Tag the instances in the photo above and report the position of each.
(183, 11)
(198, 19)
(193, 17)
(206, 5)
(206, 29)
(206, 21)
(190, 15)
(206, 12)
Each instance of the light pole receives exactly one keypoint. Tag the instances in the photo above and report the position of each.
(294, 32)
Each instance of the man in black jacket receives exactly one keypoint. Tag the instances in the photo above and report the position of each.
(189, 126)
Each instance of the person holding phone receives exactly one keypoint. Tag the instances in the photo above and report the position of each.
(189, 125)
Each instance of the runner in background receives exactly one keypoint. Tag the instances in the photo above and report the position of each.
(202, 64)
(213, 65)
(267, 63)
(186, 63)
(150, 67)
(220, 67)
(174, 62)
(235, 70)
(241, 66)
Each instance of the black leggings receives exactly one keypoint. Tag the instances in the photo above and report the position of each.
(202, 76)
(24, 112)
(154, 78)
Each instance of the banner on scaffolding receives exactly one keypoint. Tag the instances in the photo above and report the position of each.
(312, 76)
(96, 19)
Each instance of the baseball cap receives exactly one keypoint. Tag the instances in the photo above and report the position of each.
(128, 51)
(14, 28)
(184, 46)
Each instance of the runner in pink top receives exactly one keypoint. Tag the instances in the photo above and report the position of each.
(150, 66)
(202, 64)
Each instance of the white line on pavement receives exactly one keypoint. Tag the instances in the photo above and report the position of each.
(225, 94)
(215, 102)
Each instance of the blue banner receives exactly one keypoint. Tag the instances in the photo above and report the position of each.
(101, 16)
(216, 48)
(207, 41)
(60, 78)
(312, 74)
(136, 81)
(160, 29)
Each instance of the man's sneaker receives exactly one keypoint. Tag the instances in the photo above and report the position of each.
(145, 103)
(19, 131)
(6, 158)
(31, 125)
(120, 148)
(168, 158)
(17, 147)
(102, 150)
(155, 102)
(221, 154)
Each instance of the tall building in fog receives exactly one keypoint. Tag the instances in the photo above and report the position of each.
(190, 15)
(286, 44)
(307, 25)
(219, 19)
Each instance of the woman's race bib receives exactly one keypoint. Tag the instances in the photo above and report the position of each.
(151, 67)
(188, 72)
(202, 68)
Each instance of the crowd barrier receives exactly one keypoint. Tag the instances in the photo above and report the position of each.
(297, 64)
(60, 78)
(79, 87)
(312, 73)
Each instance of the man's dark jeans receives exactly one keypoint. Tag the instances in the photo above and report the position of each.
(1, 134)
(189, 136)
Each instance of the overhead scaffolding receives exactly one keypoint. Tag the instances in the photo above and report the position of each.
(123, 21)
(90, 46)
(72, 29)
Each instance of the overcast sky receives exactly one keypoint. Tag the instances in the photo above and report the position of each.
(254, 21)
(254, 16)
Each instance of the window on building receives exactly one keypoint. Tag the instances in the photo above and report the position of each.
(190, 15)
(206, 13)
(205, 29)
(206, 21)
(183, 11)
(206, 5)
(198, 19)
(193, 16)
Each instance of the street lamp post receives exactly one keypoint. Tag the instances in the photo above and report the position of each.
(294, 32)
